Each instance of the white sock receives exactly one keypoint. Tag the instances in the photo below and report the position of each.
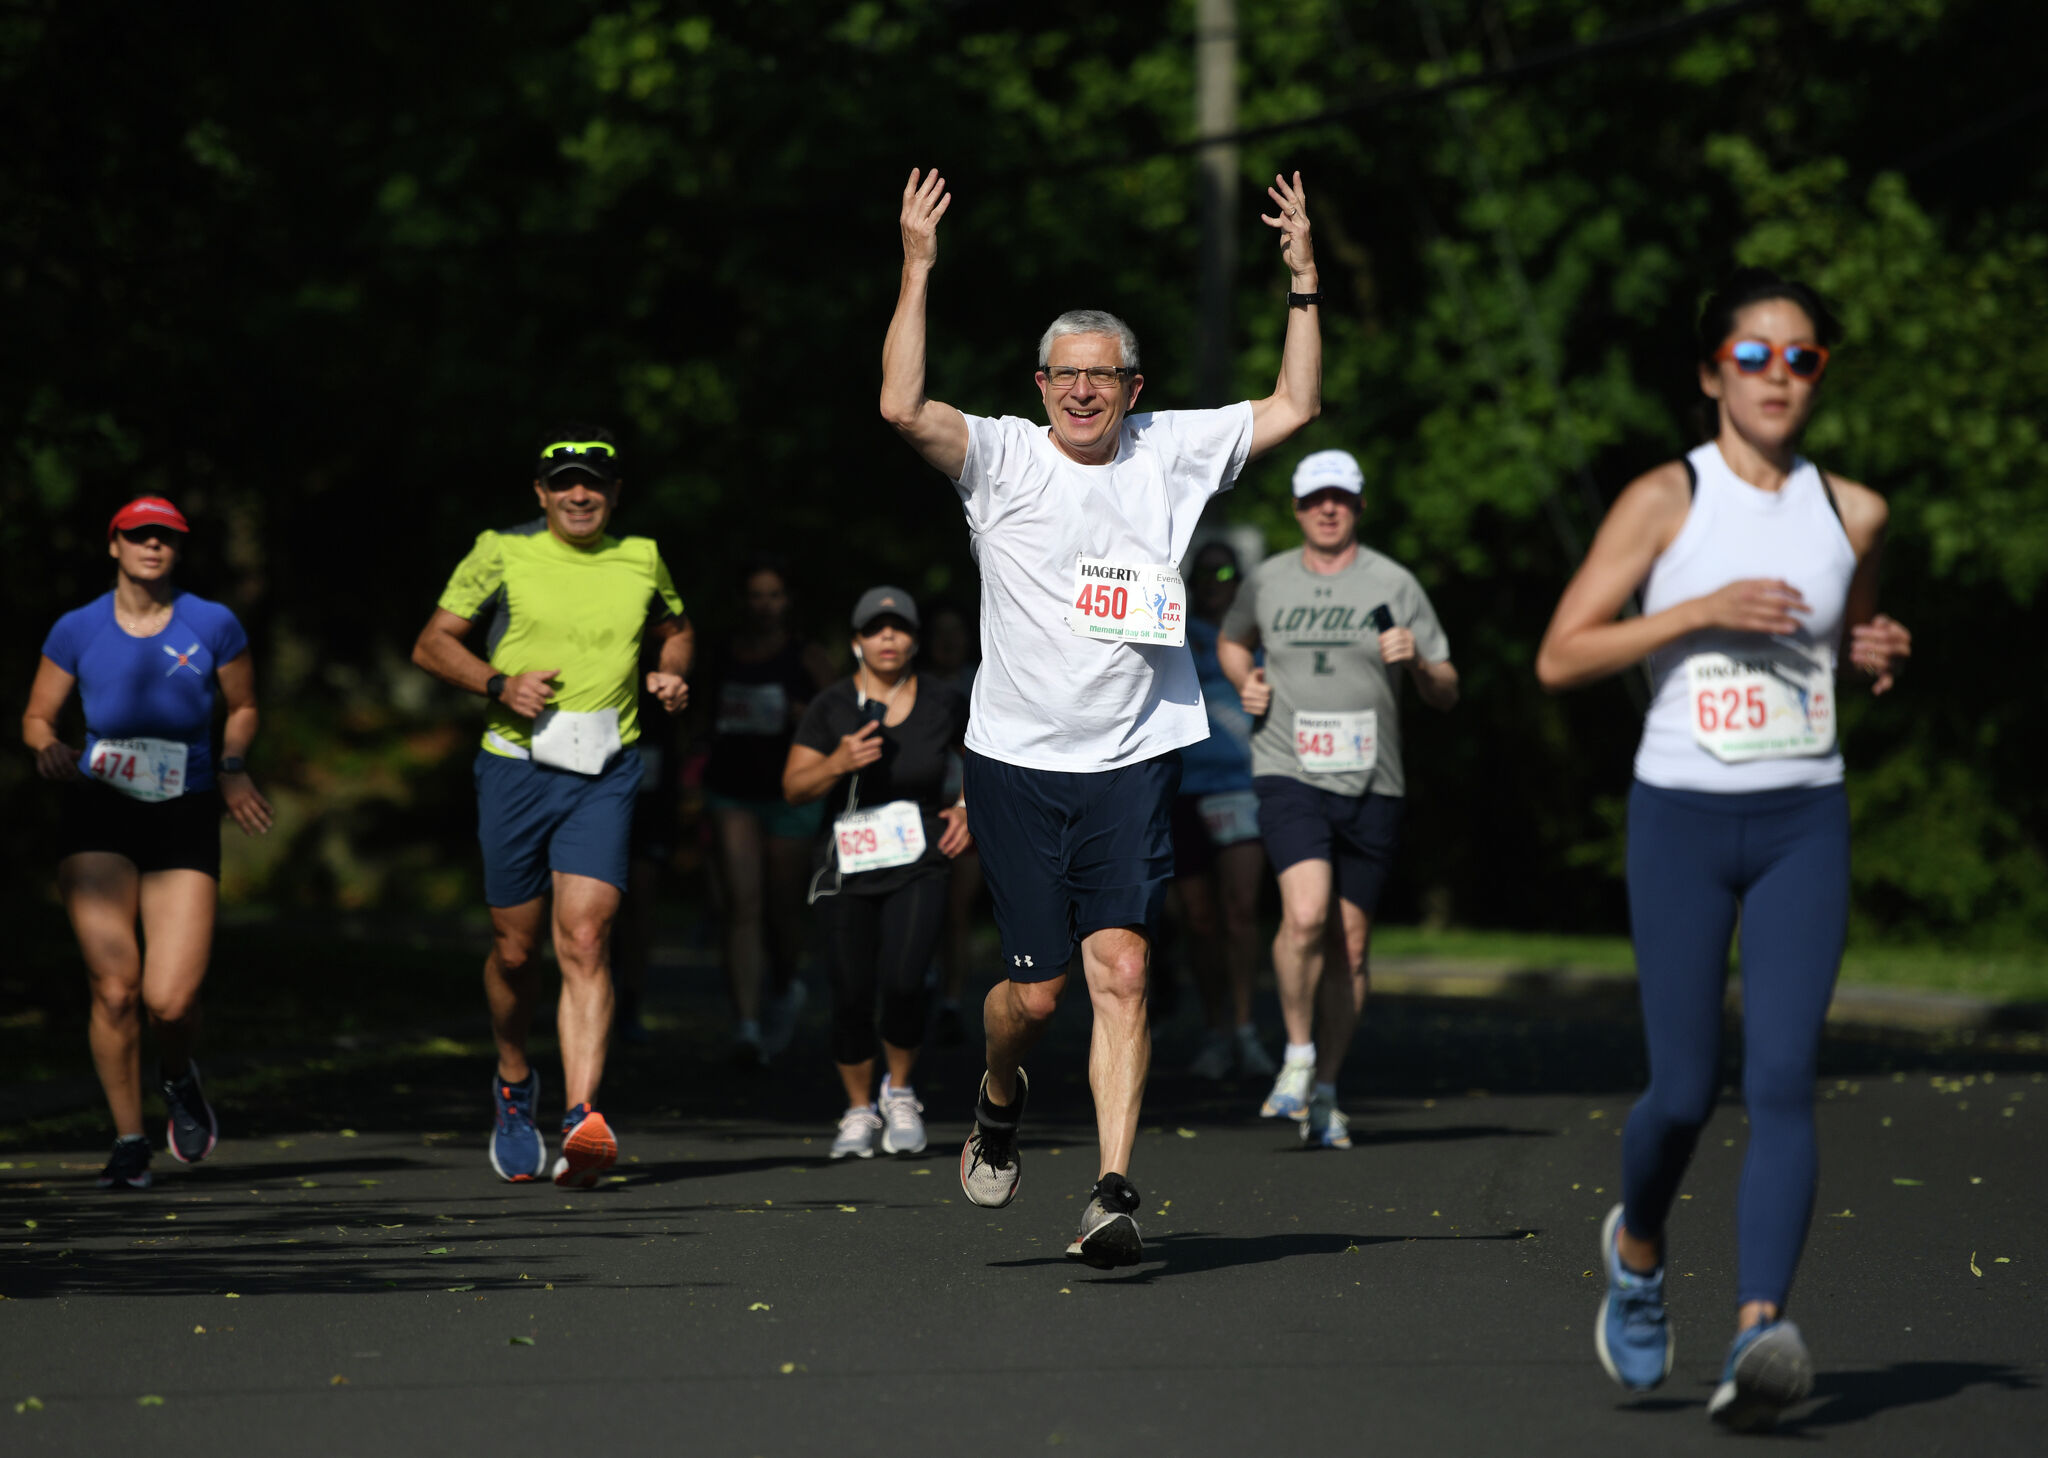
(1301, 1052)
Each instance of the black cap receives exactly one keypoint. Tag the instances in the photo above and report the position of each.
(884, 602)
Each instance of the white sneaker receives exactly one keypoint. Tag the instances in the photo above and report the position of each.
(1253, 1061)
(1289, 1098)
(1215, 1060)
(778, 1023)
(902, 1121)
(858, 1130)
(1325, 1127)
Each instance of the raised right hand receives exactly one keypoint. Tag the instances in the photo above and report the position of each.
(1256, 695)
(526, 694)
(1755, 605)
(924, 203)
(58, 761)
(859, 749)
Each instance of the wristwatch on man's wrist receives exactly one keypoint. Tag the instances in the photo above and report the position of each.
(234, 764)
(495, 688)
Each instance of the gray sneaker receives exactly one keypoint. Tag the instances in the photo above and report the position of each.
(902, 1121)
(1109, 1228)
(1768, 1370)
(1253, 1061)
(858, 1130)
(989, 1166)
(1325, 1127)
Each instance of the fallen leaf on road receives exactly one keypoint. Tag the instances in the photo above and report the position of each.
(787, 1368)
(760, 1306)
(1973, 1264)
(337, 1380)
(470, 1287)
(851, 1209)
(920, 1171)
(1843, 1215)
(1065, 1292)
(29, 1224)
(1902, 1180)
(234, 1295)
(348, 1133)
(29, 1404)
(366, 1184)
(199, 1331)
(520, 1342)
(149, 1399)
(438, 1250)
(2001, 1260)
(171, 1216)
(1185, 1133)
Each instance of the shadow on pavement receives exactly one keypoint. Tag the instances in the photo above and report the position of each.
(1852, 1397)
(1191, 1252)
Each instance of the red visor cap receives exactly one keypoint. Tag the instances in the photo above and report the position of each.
(148, 511)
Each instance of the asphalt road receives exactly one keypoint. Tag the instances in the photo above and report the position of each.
(346, 1276)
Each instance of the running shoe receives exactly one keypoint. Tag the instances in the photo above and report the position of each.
(588, 1148)
(1768, 1370)
(518, 1153)
(989, 1164)
(191, 1131)
(859, 1129)
(779, 1026)
(1109, 1228)
(1325, 1127)
(1217, 1058)
(902, 1116)
(1289, 1098)
(1253, 1061)
(128, 1166)
(1631, 1333)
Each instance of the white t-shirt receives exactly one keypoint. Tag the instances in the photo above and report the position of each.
(1046, 698)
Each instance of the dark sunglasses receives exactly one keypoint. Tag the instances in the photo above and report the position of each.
(1220, 571)
(1753, 357)
(568, 481)
(167, 535)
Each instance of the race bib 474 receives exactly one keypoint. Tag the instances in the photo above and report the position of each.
(142, 769)
(1128, 601)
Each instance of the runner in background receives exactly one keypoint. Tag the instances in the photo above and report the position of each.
(652, 849)
(1343, 627)
(758, 685)
(874, 750)
(948, 659)
(1218, 862)
(139, 834)
(1751, 562)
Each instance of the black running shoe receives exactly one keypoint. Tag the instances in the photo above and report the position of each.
(989, 1167)
(1109, 1229)
(128, 1168)
(191, 1131)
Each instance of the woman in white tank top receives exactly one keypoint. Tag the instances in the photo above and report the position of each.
(1751, 563)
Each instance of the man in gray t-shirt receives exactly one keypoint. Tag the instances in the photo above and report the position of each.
(1342, 626)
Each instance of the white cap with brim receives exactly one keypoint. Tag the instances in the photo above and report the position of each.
(1326, 471)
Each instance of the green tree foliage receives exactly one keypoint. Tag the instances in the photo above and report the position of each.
(324, 277)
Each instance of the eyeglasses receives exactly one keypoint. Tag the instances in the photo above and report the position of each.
(1065, 377)
(578, 448)
(1753, 357)
(169, 536)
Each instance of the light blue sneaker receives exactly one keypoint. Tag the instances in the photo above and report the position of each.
(518, 1153)
(1768, 1369)
(1289, 1098)
(1632, 1335)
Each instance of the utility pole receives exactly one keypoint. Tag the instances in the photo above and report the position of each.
(1216, 116)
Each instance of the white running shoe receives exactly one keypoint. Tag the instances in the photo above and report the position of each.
(1289, 1098)
(1253, 1061)
(1325, 1127)
(1215, 1060)
(902, 1121)
(859, 1129)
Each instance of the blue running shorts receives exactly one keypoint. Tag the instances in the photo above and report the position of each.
(1070, 854)
(1356, 834)
(533, 820)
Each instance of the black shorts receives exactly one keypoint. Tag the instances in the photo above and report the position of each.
(1356, 834)
(169, 835)
(1070, 854)
(1206, 824)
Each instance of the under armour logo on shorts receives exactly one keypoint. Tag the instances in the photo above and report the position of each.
(1020, 961)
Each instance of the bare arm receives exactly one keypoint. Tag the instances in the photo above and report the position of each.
(807, 775)
(245, 803)
(1878, 645)
(1298, 396)
(672, 663)
(440, 650)
(55, 760)
(934, 429)
(1239, 666)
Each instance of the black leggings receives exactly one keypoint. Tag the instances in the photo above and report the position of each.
(880, 941)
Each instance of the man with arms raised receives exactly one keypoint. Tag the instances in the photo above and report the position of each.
(1087, 690)
(1342, 626)
(559, 770)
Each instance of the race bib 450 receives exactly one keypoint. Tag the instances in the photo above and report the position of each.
(1128, 601)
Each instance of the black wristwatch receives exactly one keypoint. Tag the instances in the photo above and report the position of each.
(1302, 301)
(233, 764)
(495, 686)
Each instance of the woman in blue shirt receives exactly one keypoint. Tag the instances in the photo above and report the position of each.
(140, 827)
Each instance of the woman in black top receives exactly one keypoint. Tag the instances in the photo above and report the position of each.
(874, 748)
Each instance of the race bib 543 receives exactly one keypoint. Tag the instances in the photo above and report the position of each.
(1337, 744)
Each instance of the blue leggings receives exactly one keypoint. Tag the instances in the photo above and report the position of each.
(1782, 856)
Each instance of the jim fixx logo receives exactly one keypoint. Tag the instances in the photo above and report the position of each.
(183, 660)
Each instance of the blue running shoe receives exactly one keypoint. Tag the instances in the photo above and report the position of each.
(1768, 1370)
(518, 1153)
(1633, 1337)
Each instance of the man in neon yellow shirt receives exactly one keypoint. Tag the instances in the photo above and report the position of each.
(568, 608)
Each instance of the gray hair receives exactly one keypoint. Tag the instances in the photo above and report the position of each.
(1088, 321)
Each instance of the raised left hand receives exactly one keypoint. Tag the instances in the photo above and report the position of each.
(1295, 249)
(670, 688)
(955, 839)
(1880, 648)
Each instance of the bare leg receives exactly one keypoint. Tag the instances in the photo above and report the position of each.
(859, 1079)
(1342, 998)
(1202, 917)
(746, 954)
(511, 980)
(901, 1061)
(102, 892)
(177, 938)
(1239, 870)
(1299, 944)
(1120, 1052)
(1014, 1015)
(584, 908)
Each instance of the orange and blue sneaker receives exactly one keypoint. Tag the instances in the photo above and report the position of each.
(518, 1153)
(588, 1148)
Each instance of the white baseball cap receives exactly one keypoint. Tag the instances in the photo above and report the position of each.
(1327, 469)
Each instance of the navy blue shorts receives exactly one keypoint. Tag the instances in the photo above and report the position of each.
(533, 820)
(1070, 854)
(1356, 834)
